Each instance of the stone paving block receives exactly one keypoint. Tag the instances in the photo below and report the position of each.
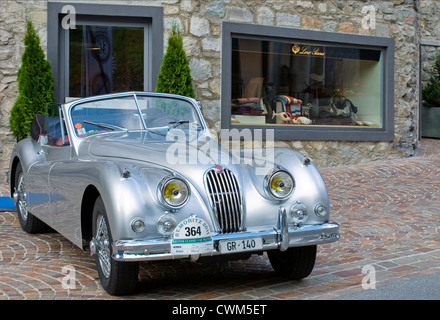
(389, 216)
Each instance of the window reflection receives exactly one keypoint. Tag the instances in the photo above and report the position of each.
(296, 83)
(105, 59)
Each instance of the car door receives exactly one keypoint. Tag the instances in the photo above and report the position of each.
(53, 147)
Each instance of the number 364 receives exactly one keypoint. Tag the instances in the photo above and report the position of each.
(193, 231)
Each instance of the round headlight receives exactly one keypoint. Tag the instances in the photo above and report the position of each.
(174, 192)
(280, 184)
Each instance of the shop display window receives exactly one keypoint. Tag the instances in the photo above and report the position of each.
(303, 84)
(316, 87)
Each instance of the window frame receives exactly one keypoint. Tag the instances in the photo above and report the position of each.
(115, 15)
(232, 30)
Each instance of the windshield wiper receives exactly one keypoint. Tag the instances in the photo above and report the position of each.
(106, 125)
(193, 126)
(175, 124)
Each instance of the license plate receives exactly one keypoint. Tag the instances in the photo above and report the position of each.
(250, 244)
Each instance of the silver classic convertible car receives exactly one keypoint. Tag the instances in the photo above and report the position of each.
(137, 176)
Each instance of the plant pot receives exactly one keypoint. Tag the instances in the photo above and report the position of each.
(431, 122)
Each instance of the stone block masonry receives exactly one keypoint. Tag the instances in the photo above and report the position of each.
(201, 25)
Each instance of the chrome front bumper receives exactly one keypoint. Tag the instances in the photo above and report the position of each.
(280, 238)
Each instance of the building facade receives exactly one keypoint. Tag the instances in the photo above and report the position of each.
(338, 80)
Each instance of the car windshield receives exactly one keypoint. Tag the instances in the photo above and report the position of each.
(134, 112)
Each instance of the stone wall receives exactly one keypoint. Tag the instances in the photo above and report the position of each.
(430, 36)
(200, 22)
(13, 15)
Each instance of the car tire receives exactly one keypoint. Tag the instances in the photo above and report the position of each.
(28, 222)
(117, 277)
(294, 263)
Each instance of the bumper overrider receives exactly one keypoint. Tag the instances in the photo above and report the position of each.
(281, 238)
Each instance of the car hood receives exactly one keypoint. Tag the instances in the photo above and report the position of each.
(203, 152)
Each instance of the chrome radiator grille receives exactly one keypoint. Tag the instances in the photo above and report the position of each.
(224, 193)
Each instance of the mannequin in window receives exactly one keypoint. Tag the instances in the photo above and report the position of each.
(340, 106)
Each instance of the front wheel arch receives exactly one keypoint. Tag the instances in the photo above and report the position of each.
(13, 172)
(88, 201)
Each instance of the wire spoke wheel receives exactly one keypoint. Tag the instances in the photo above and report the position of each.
(103, 246)
(117, 277)
(21, 201)
(28, 221)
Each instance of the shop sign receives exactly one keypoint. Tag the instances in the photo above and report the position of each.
(307, 50)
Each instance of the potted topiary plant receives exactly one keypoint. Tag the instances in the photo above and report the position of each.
(175, 74)
(35, 85)
(431, 104)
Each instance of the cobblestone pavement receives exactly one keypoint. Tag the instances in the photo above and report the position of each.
(389, 212)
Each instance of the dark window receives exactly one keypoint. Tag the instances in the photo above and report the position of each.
(105, 59)
(105, 49)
